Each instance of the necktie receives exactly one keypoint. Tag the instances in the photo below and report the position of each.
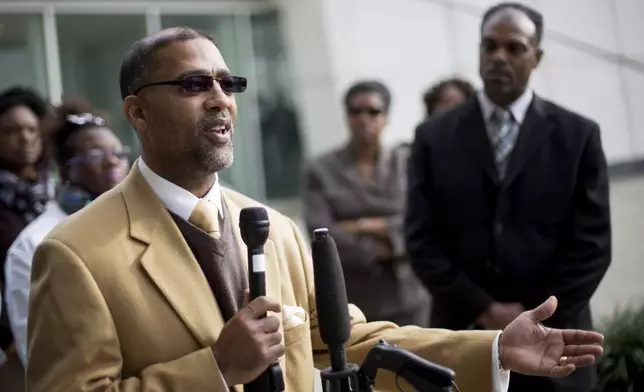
(503, 138)
(205, 217)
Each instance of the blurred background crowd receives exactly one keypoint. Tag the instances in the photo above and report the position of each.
(340, 91)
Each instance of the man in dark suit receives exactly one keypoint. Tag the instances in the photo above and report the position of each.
(508, 199)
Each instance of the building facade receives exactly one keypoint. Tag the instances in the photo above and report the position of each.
(300, 56)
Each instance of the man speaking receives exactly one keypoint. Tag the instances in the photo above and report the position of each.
(144, 289)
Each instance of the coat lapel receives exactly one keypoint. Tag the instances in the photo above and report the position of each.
(472, 132)
(169, 262)
(533, 133)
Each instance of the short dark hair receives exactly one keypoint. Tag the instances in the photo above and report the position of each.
(368, 86)
(535, 16)
(62, 127)
(139, 59)
(23, 96)
(433, 95)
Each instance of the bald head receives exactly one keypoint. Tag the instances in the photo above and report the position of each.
(529, 19)
(140, 59)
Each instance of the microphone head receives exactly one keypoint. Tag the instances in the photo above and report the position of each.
(330, 291)
(254, 226)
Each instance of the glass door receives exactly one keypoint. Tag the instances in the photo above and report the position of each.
(22, 52)
(280, 130)
(76, 48)
(91, 49)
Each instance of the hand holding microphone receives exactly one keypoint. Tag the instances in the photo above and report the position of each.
(254, 228)
(248, 344)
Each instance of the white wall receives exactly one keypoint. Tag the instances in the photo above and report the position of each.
(305, 26)
(409, 44)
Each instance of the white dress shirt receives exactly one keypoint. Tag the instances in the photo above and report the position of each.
(18, 272)
(182, 202)
(518, 108)
(176, 199)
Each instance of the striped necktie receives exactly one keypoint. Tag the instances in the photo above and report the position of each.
(205, 217)
(504, 134)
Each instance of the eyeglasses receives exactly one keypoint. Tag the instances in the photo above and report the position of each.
(204, 83)
(373, 112)
(98, 155)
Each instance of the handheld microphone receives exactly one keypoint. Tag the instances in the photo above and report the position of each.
(254, 226)
(333, 311)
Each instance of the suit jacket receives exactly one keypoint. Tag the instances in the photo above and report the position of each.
(336, 191)
(544, 230)
(119, 303)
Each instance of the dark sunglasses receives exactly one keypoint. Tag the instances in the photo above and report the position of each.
(373, 112)
(204, 83)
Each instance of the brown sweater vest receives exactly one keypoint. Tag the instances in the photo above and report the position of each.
(221, 262)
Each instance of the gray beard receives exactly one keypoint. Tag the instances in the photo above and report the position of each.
(214, 161)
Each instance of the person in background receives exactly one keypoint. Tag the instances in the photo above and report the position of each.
(358, 192)
(446, 95)
(91, 161)
(509, 199)
(25, 188)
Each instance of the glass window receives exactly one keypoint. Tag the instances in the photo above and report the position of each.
(22, 52)
(91, 50)
(242, 175)
(280, 131)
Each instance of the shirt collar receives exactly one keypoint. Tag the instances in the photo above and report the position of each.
(518, 108)
(176, 199)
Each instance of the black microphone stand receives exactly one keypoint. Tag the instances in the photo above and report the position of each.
(421, 374)
(335, 331)
(341, 376)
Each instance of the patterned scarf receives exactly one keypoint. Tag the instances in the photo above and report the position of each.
(24, 197)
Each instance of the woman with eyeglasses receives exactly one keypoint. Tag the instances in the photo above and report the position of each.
(358, 193)
(25, 188)
(91, 161)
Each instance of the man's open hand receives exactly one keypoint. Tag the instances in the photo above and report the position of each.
(527, 347)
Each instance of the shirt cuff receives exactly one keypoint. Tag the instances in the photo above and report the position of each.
(500, 378)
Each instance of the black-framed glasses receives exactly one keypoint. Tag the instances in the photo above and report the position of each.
(204, 83)
(98, 155)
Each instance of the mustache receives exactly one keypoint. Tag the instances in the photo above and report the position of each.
(207, 123)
